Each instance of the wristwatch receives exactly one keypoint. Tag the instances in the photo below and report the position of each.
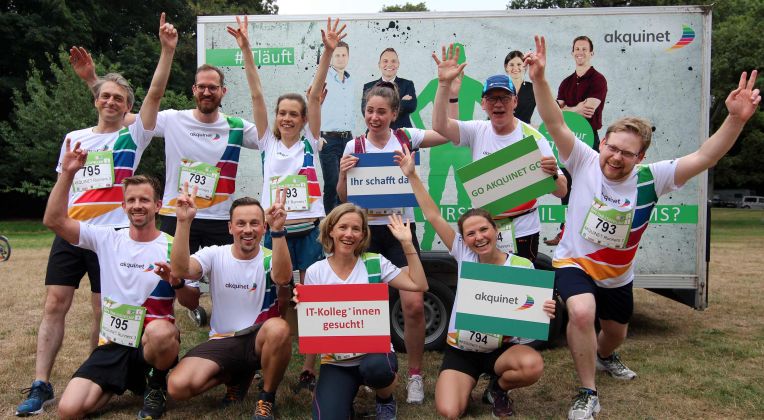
(180, 285)
(278, 233)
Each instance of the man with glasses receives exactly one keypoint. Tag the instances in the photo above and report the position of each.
(610, 205)
(484, 137)
(202, 148)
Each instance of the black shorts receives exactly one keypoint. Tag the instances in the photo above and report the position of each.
(528, 246)
(68, 263)
(471, 362)
(235, 356)
(204, 232)
(383, 242)
(116, 368)
(616, 304)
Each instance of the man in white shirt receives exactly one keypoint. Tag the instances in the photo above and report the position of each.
(246, 332)
(137, 333)
(610, 204)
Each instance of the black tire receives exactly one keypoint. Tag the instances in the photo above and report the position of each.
(198, 316)
(556, 325)
(438, 301)
(5, 249)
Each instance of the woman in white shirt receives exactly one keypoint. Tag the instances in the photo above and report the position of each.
(345, 236)
(470, 353)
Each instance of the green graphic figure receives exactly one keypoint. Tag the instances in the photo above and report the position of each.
(446, 156)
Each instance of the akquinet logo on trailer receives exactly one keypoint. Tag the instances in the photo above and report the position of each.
(644, 37)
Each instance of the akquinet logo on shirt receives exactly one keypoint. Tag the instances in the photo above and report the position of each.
(204, 136)
(134, 265)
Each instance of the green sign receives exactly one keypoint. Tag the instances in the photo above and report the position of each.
(503, 300)
(507, 178)
(282, 56)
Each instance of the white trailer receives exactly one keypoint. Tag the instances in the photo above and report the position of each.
(656, 61)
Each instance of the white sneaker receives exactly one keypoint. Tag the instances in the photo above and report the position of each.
(585, 406)
(615, 367)
(415, 390)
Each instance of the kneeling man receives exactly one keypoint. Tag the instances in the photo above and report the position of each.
(246, 332)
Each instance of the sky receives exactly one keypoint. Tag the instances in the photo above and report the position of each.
(323, 7)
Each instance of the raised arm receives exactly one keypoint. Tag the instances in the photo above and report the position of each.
(430, 210)
(168, 37)
(57, 211)
(413, 279)
(183, 266)
(448, 70)
(330, 37)
(741, 104)
(281, 263)
(83, 66)
(548, 108)
(259, 112)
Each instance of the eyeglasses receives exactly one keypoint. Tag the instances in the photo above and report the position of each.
(625, 153)
(212, 88)
(493, 99)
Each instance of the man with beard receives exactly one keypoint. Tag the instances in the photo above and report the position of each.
(244, 333)
(138, 341)
(202, 148)
(610, 205)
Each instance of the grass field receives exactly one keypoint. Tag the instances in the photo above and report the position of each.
(691, 364)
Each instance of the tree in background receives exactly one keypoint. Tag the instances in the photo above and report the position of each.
(735, 48)
(408, 7)
(47, 98)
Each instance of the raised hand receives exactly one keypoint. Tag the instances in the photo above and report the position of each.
(406, 161)
(347, 163)
(400, 230)
(83, 65)
(168, 35)
(742, 102)
(448, 66)
(163, 270)
(74, 159)
(535, 61)
(275, 216)
(323, 93)
(240, 33)
(185, 208)
(331, 36)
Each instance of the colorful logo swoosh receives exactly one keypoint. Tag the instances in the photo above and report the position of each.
(149, 268)
(529, 302)
(688, 35)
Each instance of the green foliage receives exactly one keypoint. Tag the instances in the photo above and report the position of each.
(408, 7)
(33, 141)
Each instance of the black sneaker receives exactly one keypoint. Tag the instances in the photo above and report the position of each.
(263, 410)
(154, 402)
(503, 406)
(487, 396)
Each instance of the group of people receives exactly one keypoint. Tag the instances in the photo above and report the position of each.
(104, 217)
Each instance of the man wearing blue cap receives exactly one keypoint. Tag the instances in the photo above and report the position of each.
(485, 137)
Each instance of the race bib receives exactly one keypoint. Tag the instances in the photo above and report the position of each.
(122, 324)
(201, 175)
(345, 356)
(607, 226)
(97, 173)
(506, 239)
(477, 341)
(296, 187)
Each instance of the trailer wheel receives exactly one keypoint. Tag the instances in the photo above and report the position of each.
(438, 301)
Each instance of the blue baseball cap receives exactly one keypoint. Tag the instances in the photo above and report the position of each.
(499, 81)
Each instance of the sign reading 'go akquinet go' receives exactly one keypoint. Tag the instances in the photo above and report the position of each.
(507, 178)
